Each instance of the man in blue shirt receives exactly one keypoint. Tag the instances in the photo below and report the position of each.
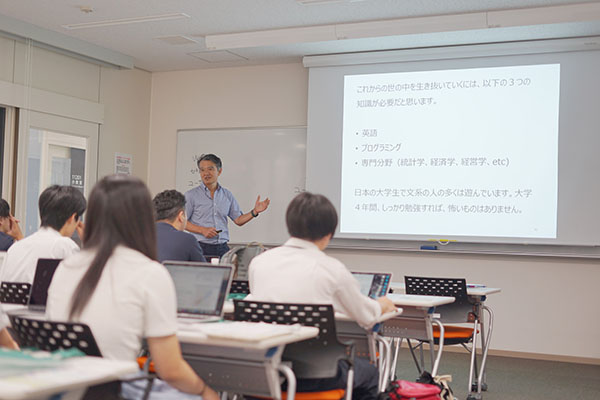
(9, 227)
(208, 206)
(172, 243)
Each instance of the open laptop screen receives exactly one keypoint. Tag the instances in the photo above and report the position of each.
(201, 287)
(373, 284)
(44, 272)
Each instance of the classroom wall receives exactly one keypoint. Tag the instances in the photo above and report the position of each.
(126, 128)
(547, 306)
(125, 95)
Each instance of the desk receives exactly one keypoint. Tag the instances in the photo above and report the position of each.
(474, 314)
(241, 366)
(416, 322)
(74, 374)
(366, 340)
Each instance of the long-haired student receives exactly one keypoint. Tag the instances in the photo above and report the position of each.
(116, 286)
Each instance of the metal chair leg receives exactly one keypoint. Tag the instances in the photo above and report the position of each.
(397, 343)
(481, 377)
(350, 383)
(291, 380)
(436, 364)
(412, 353)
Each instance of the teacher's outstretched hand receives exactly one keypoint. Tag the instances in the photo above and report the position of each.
(261, 206)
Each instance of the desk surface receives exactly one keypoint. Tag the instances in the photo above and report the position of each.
(398, 288)
(75, 373)
(415, 300)
(382, 318)
(194, 334)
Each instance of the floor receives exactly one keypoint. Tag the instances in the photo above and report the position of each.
(516, 378)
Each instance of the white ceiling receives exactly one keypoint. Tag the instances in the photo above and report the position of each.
(214, 18)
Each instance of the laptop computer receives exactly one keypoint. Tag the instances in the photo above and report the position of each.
(44, 271)
(373, 284)
(201, 289)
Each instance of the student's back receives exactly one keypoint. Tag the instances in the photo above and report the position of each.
(21, 258)
(116, 287)
(60, 209)
(298, 272)
(135, 298)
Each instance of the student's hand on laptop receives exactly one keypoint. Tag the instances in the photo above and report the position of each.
(386, 305)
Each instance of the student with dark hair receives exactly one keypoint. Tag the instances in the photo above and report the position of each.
(208, 206)
(60, 208)
(300, 272)
(172, 242)
(116, 286)
(9, 227)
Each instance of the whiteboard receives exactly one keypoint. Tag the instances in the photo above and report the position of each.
(270, 162)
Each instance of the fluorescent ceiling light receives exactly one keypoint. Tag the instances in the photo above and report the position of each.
(545, 15)
(176, 40)
(407, 26)
(125, 21)
(315, 2)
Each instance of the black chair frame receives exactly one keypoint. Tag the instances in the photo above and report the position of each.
(311, 359)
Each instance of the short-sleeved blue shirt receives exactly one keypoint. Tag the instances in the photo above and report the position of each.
(203, 210)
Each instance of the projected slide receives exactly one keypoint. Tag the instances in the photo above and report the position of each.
(467, 152)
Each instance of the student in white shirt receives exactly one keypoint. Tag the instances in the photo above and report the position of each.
(300, 272)
(116, 286)
(60, 210)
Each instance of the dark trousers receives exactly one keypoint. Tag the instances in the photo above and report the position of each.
(365, 386)
(213, 250)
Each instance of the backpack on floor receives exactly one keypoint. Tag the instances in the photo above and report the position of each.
(407, 390)
(441, 381)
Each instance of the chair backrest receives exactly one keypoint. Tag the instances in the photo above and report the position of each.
(314, 358)
(240, 256)
(15, 292)
(239, 287)
(452, 287)
(50, 335)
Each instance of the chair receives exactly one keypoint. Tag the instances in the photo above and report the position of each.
(311, 359)
(15, 292)
(239, 287)
(462, 310)
(240, 256)
(51, 336)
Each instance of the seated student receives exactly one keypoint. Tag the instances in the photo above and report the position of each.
(6, 340)
(9, 227)
(173, 243)
(116, 286)
(60, 209)
(300, 272)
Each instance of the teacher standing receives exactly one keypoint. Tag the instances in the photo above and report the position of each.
(208, 206)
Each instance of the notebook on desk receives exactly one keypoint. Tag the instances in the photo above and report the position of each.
(373, 284)
(44, 272)
(201, 289)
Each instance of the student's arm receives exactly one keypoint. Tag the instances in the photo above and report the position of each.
(7, 341)
(172, 368)
(259, 206)
(208, 232)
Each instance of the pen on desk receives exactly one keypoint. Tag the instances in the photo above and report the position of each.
(428, 247)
